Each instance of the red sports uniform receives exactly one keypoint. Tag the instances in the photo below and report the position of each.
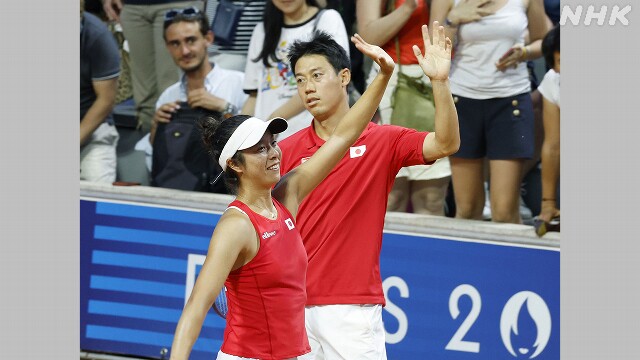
(341, 221)
(266, 297)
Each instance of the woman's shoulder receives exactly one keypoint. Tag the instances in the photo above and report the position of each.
(329, 15)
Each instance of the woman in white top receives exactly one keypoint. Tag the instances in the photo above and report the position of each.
(269, 80)
(493, 100)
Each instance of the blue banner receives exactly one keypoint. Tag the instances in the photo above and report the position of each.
(446, 298)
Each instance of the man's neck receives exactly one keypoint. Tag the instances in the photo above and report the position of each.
(325, 128)
(195, 79)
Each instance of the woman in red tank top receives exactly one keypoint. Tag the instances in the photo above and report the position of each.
(255, 249)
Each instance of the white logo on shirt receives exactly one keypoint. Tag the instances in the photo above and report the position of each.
(357, 151)
(267, 235)
(304, 159)
(289, 223)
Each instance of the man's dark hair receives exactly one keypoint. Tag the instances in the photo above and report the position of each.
(551, 44)
(273, 20)
(199, 17)
(320, 44)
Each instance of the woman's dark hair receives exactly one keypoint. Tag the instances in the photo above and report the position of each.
(320, 44)
(551, 44)
(215, 134)
(273, 20)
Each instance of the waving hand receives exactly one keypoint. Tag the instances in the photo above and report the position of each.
(437, 59)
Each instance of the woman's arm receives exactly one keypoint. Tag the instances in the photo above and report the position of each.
(550, 159)
(444, 12)
(520, 52)
(378, 28)
(230, 247)
(538, 21)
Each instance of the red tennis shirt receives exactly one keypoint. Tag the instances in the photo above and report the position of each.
(266, 297)
(341, 221)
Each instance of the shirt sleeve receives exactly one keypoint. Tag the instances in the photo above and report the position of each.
(331, 23)
(405, 147)
(546, 87)
(105, 57)
(253, 69)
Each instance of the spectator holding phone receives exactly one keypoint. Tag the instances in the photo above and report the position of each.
(493, 101)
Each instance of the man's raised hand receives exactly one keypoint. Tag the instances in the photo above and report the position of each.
(376, 54)
(437, 59)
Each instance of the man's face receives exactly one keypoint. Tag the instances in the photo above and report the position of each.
(186, 44)
(319, 87)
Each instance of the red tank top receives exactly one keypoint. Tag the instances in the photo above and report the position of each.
(410, 34)
(266, 297)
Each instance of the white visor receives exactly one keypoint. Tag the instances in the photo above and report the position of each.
(248, 134)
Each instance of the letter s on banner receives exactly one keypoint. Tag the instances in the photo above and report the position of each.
(394, 310)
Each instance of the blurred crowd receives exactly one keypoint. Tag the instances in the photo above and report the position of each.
(150, 67)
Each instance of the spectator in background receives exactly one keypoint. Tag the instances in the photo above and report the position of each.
(234, 56)
(269, 80)
(204, 84)
(152, 69)
(493, 101)
(381, 22)
(99, 70)
(550, 90)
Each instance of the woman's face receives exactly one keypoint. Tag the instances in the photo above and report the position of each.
(290, 7)
(262, 161)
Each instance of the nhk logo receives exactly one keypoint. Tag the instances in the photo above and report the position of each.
(575, 15)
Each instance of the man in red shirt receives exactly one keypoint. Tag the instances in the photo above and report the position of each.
(341, 221)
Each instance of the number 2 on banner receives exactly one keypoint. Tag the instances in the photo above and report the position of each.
(456, 343)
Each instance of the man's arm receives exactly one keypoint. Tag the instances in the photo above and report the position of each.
(298, 183)
(106, 91)
(445, 140)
